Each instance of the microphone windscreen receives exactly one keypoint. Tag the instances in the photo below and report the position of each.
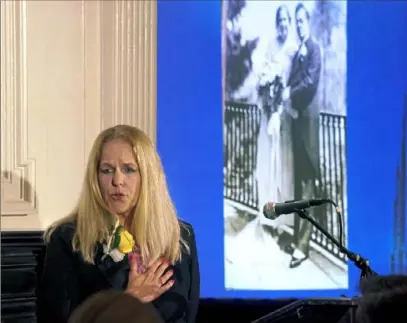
(269, 212)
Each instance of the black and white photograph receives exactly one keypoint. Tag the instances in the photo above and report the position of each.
(284, 114)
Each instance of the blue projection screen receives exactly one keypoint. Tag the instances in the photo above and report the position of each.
(263, 101)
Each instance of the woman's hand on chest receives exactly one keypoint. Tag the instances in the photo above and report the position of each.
(152, 283)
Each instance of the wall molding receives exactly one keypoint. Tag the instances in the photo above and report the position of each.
(129, 77)
(17, 168)
(92, 24)
(69, 69)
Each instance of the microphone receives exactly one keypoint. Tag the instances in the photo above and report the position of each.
(272, 210)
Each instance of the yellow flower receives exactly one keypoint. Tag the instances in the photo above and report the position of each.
(126, 243)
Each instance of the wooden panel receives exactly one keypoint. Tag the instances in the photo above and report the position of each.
(44, 105)
(17, 167)
(129, 46)
(20, 254)
(92, 72)
(68, 70)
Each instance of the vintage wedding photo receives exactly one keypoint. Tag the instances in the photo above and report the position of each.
(284, 92)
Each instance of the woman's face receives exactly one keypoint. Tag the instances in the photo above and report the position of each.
(283, 22)
(119, 177)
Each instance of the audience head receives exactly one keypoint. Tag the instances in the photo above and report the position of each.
(383, 300)
(125, 180)
(376, 284)
(114, 306)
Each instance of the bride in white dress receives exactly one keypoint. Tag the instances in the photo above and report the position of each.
(274, 171)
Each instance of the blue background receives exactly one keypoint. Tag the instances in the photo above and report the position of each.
(189, 129)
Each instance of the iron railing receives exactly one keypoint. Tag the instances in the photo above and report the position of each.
(241, 125)
(241, 129)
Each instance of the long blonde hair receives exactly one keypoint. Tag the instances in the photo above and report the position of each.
(155, 225)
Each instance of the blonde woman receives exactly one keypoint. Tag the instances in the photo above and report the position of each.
(123, 234)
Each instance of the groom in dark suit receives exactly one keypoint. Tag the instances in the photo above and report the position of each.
(301, 88)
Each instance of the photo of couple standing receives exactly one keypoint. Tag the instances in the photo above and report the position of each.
(284, 139)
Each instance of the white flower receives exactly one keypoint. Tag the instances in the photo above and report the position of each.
(303, 50)
(116, 255)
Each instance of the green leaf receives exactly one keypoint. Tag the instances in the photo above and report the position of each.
(116, 239)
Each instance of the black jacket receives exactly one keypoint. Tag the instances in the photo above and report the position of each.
(67, 280)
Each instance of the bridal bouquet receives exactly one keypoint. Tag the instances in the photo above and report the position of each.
(119, 243)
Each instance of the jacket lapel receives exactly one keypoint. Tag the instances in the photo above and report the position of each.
(116, 273)
(297, 64)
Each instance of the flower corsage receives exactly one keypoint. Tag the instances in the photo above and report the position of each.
(119, 243)
(303, 52)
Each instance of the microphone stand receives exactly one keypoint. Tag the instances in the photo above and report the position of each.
(358, 260)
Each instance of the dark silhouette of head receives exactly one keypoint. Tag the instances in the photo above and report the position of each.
(375, 284)
(114, 306)
(383, 300)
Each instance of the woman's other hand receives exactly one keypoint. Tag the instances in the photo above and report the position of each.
(152, 283)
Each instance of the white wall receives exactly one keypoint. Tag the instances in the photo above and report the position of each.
(68, 70)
